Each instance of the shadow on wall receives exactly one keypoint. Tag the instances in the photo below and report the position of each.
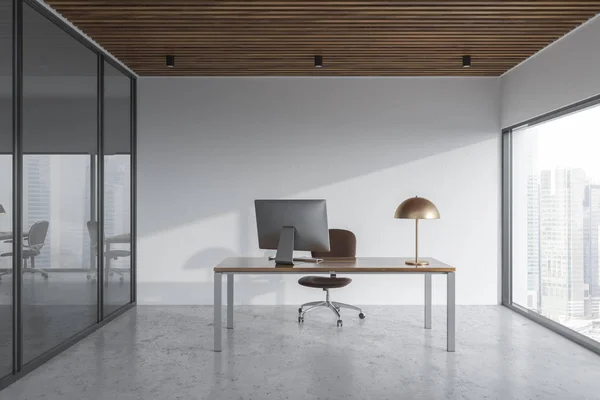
(259, 286)
(255, 287)
(211, 256)
(209, 147)
(219, 143)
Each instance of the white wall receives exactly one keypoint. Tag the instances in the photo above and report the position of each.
(209, 146)
(564, 73)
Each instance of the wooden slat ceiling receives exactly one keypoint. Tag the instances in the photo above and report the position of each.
(355, 38)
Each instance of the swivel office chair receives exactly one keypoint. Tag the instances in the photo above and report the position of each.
(92, 227)
(342, 245)
(32, 248)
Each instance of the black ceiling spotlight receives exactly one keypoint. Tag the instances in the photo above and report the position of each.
(170, 61)
(318, 61)
(466, 62)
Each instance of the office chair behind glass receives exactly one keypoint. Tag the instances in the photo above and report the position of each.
(32, 247)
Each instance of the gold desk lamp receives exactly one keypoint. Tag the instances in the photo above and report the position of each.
(417, 208)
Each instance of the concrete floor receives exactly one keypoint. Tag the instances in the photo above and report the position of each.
(54, 310)
(166, 353)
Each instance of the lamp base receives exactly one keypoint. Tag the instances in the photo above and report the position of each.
(416, 262)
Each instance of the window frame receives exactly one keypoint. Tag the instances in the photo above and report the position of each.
(507, 213)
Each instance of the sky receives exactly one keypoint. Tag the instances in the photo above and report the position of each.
(572, 141)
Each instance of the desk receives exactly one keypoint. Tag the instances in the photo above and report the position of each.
(374, 265)
(9, 235)
(122, 238)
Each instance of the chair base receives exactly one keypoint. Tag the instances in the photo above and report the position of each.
(31, 270)
(334, 306)
(93, 274)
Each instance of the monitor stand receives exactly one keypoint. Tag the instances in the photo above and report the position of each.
(285, 249)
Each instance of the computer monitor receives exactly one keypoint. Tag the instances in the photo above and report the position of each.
(288, 225)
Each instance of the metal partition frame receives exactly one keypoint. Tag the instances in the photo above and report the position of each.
(100, 190)
(133, 121)
(17, 184)
(506, 217)
(19, 369)
(507, 226)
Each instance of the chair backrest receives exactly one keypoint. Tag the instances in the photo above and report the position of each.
(37, 235)
(342, 243)
(92, 227)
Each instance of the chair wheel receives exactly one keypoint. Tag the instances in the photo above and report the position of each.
(300, 310)
(362, 316)
(300, 320)
(339, 323)
(88, 277)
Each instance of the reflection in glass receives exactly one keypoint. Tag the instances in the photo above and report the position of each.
(117, 189)
(59, 147)
(6, 193)
(556, 220)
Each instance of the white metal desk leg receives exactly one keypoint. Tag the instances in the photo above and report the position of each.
(451, 311)
(218, 308)
(230, 301)
(106, 266)
(427, 301)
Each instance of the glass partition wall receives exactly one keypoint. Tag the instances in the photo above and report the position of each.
(6, 188)
(552, 222)
(117, 188)
(67, 215)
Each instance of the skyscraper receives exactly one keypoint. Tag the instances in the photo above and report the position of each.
(117, 200)
(592, 269)
(533, 243)
(56, 188)
(562, 243)
(37, 200)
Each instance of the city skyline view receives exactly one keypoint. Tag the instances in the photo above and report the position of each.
(556, 220)
(56, 188)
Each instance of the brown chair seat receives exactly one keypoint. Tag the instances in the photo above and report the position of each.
(324, 282)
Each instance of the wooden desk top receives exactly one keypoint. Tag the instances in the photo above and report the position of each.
(9, 235)
(122, 238)
(352, 265)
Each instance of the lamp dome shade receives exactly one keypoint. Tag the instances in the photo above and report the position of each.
(417, 208)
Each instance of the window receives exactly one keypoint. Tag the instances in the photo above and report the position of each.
(555, 221)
